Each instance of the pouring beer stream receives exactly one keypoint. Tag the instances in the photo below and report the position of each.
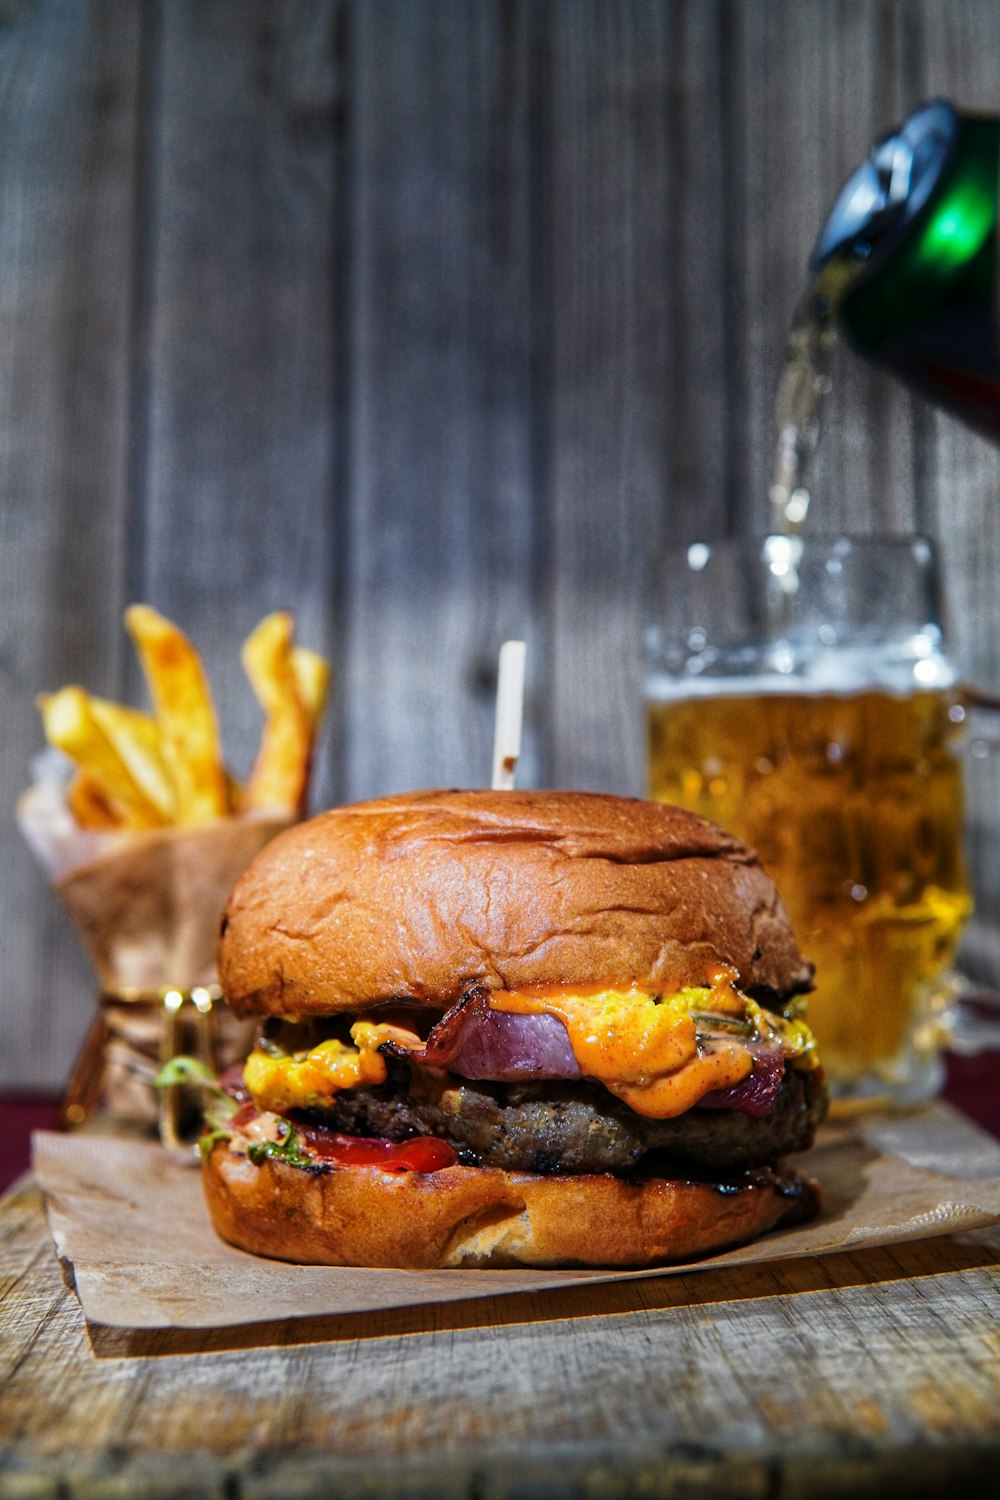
(906, 267)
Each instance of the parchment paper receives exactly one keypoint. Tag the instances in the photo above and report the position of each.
(130, 1219)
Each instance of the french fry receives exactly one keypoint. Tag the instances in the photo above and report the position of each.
(136, 737)
(71, 726)
(185, 714)
(312, 678)
(280, 775)
(90, 805)
(136, 770)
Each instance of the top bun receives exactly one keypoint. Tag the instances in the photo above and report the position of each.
(422, 895)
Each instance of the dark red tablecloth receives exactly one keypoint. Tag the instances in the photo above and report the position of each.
(973, 1086)
(20, 1114)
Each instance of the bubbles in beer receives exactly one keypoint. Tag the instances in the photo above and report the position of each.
(854, 802)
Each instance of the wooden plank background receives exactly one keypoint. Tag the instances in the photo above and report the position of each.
(429, 320)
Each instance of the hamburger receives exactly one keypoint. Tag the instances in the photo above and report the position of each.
(511, 1028)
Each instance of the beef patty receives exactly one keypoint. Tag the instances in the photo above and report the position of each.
(570, 1127)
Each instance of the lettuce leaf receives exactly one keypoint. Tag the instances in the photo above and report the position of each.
(218, 1107)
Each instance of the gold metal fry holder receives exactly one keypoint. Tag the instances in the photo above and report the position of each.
(133, 1034)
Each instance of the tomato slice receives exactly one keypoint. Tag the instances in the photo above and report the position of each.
(422, 1153)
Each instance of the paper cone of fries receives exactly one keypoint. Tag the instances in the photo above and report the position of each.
(147, 907)
(143, 833)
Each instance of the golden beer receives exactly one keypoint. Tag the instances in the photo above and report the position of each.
(855, 804)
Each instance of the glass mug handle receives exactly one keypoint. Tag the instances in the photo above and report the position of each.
(973, 1020)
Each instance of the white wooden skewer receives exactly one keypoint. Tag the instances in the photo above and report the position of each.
(510, 707)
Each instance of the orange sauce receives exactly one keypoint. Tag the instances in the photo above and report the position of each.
(643, 1051)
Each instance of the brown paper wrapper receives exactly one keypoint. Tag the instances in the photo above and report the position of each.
(148, 911)
(131, 1220)
(147, 907)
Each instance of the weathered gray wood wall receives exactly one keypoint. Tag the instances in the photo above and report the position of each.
(428, 318)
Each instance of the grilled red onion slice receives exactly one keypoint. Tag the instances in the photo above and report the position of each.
(476, 1042)
(505, 1047)
(755, 1094)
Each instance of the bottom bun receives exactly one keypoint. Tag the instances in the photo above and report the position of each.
(482, 1216)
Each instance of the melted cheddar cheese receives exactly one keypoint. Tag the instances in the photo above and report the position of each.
(660, 1054)
(308, 1080)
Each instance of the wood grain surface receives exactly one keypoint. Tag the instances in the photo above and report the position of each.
(68, 113)
(236, 418)
(870, 1374)
(440, 521)
(430, 321)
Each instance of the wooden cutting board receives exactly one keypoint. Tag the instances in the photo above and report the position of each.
(875, 1373)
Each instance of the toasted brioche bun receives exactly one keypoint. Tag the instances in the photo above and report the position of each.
(481, 1216)
(422, 895)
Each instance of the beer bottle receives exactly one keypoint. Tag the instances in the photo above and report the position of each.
(913, 236)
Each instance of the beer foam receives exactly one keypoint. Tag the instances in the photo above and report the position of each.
(841, 673)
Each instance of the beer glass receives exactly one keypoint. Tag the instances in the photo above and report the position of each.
(799, 692)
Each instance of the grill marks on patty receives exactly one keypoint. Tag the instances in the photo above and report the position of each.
(571, 1127)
